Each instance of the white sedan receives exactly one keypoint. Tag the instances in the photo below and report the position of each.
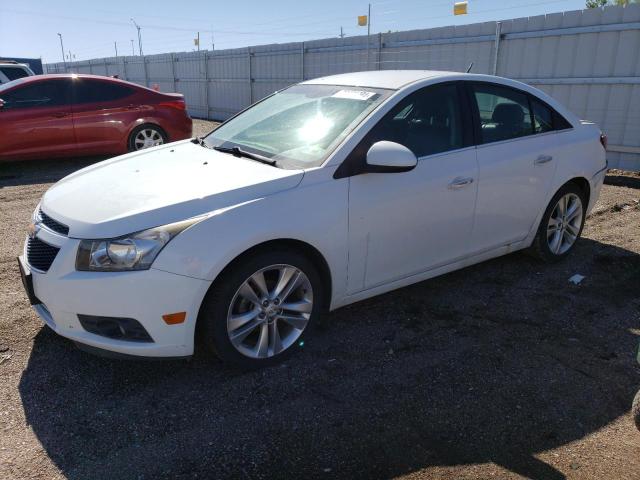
(325, 193)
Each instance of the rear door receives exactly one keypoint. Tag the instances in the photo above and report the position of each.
(516, 160)
(36, 119)
(102, 113)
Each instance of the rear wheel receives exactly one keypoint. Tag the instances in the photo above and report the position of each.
(258, 311)
(561, 224)
(146, 136)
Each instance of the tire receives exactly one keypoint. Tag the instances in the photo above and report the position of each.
(153, 134)
(231, 310)
(546, 245)
(635, 410)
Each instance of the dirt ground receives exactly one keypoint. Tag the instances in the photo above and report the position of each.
(501, 370)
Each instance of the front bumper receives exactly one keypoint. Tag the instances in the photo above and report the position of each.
(144, 295)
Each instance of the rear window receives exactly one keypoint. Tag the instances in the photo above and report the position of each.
(95, 91)
(14, 73)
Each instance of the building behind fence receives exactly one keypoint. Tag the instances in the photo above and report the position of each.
(589, 60)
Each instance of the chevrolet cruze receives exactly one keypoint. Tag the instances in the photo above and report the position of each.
(320, 195)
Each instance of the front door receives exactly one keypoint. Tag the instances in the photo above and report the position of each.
(36, 120)
(401, 224)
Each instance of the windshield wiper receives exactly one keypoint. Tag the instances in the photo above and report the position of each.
(200, 141)
(238, 152)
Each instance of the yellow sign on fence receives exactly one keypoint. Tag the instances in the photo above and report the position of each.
(460, 8)
(362, 20)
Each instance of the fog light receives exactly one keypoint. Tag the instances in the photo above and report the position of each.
(117, 328)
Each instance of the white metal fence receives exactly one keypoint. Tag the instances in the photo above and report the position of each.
(588, 59)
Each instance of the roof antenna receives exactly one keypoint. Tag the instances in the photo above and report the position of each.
(469, 67)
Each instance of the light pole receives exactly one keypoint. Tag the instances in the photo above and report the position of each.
(139, 36)
(115, 45)
(62, 50)
(133, 52)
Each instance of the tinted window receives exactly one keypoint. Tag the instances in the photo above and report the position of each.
(542, 117)
(95, 91)
(504, 113)
(427, 121)
(14, 73)
(49, 93)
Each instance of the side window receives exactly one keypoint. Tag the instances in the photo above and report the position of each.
(542, 117)
(95, 91)
(504, 112)
(49, 93)
(14, 73)
(427, 121)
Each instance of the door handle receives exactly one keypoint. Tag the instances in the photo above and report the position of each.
(460, 182)
(60, 115)
(543, 159)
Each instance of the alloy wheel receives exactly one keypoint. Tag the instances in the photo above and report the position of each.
(269, 311)
(147, 137)
(564, 224)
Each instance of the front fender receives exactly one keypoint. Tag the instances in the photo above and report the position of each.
(315, 212)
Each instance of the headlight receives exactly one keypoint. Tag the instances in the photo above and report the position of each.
(131, 252)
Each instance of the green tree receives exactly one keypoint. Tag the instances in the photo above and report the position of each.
(596, 3)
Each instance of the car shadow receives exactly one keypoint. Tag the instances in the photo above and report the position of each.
(494, 363)
(30, 172)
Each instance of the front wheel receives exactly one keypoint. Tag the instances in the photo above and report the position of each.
(258, 311)
(561, 224)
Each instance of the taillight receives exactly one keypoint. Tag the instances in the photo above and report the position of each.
(177, 104)
(603, 140)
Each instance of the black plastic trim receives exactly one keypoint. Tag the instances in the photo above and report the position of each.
(117, 328)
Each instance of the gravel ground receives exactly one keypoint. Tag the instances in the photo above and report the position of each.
(501, 370)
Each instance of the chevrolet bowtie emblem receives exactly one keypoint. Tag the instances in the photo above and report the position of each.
(33, 230)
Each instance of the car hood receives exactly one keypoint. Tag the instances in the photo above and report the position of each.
(158, 186)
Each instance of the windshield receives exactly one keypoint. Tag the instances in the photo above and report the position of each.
(300, 126)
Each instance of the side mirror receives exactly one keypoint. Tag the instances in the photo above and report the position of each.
(390, 157)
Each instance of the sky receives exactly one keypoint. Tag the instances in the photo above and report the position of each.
(89, 29)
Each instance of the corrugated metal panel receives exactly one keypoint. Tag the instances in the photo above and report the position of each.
(586, 59)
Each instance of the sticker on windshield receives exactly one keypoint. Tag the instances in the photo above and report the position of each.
(354, 94)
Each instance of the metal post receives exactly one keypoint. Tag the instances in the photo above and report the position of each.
(62, 49)
(124, 68)
(302, 62)
(146, 75)
(368, 32)
(173, 71)
(106, 67)
(139, 36)
(206, 82)
(379, 51)
(115, 45)
(250, 78)
(496, 48)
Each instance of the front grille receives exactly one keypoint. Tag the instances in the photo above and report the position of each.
(53, 224)
(40, 255)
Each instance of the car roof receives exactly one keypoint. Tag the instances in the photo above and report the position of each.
(47, 76)
(392, 79)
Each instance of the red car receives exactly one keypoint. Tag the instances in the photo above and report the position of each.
(66, 115)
